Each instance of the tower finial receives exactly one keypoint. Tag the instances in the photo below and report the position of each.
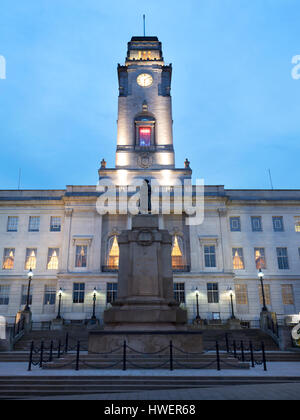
(144, 18)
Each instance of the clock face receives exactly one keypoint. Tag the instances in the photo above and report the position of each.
(145, 80)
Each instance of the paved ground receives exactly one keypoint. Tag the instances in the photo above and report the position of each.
(282, 392)
(274, 369)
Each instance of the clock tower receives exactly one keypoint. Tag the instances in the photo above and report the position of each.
(145, 124)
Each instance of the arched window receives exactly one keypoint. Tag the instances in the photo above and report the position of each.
(113, 253)
(178, 259)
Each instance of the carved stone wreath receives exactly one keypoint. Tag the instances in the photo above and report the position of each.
(145, 160)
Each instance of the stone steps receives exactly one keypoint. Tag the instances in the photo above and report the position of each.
(48, 386)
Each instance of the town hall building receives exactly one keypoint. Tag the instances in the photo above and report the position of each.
(72, 249)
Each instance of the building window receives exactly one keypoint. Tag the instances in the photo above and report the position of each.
(178, 261)
(241, 294)
(30, 261)
(53, 255)
(278, 224)
(34, 224)
(260, 258)
(287, 294)
(4, 294)
(78, 292)
(12, 224)
(210, 256)
(213, 292)
(50, 295)
(8, 259)
(145, 136)
(24, 295)
(111, 292)
(256, 224)
(81, 256)
(55, 224)
(297, 224)
(283, 260)
(179, 292)
(267, 292)
(235, 224)
(238, 259)
(113, 253)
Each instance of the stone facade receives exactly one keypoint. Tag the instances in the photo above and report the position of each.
(216, 255)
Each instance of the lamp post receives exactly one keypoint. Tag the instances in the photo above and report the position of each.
(59, 303)
(197, 304)
(261, 277)
(94, 305)
(231, 300)
(30, 275)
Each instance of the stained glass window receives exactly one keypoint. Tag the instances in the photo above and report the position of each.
(145, 136)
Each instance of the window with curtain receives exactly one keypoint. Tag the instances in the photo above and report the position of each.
(8, 259)
(113, 253)
(260, 258)
(238, 259)
(53, 255)
(178, 260)
(297, 224)
(30, 261)
(81, 256)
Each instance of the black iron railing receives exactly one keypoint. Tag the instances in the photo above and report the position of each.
(124, 357)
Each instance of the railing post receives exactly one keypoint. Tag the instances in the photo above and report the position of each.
(227, 343)
(77, 355)
(30, 356)
(42, 354)
(218, 356)
(252, 354)
(234, 349)
(264, 356)
(171, 355)
(59, 349)
(67, 343)
(51, 352)
(242, 351)
(124, 355)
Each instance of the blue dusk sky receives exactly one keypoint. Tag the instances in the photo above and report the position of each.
(236, 106)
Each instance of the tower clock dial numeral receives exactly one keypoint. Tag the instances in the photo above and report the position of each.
(145, 80)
